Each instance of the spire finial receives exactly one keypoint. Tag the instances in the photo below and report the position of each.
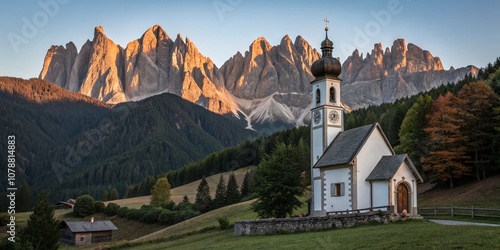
(326, 24)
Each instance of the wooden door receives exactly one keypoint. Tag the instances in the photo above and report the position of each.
(402, 198)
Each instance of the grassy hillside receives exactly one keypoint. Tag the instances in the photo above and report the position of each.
(188, 189)
(484, 194)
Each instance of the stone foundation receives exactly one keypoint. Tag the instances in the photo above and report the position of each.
(290, 225)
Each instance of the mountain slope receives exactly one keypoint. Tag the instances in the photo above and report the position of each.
(67, 140)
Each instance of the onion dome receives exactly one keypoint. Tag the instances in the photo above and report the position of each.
(326, 66)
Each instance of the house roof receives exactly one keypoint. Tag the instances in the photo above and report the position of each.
(388, 165)
(345, 146)
(86, 226)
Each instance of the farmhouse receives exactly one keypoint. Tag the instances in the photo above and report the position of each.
(69, 204)
(355, 169)
(86, 232)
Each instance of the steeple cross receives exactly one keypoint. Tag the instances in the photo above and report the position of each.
(326, 22)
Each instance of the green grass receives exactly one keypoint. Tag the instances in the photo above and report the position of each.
(407, 235)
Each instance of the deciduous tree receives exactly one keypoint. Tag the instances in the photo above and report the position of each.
(280, 183)
(84, 206)
(160, 194)
(447, 150)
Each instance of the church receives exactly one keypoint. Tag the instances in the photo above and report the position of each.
(356, 169)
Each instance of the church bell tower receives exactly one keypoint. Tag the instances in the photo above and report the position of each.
(327, 113)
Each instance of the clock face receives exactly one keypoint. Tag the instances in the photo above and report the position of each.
(334, 116)
(317, 117)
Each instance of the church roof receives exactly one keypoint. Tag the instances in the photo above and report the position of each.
(345, 146)
(388, 165)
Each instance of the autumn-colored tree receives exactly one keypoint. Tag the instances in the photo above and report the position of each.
(412, 135)
(446, 144)
(160, 194)
(478, 100)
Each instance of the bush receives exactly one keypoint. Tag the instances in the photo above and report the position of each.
(167, 217)
(111, 209)
(123, 212)
(135, 214)
(186, 214)
(150, 216)
(84, 206)
(169, 205)
(99, 207)
(223, 223)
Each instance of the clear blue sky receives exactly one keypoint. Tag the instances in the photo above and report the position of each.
(459, 32)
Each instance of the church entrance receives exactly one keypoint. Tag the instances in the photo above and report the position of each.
(402, 198)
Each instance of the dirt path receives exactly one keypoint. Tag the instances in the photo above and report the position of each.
(463, 223)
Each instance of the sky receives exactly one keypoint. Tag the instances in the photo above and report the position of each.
(459, 32)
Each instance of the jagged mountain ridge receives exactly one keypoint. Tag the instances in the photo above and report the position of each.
(267, 85)
(384, 76)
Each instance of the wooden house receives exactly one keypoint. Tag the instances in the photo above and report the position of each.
(86, 232)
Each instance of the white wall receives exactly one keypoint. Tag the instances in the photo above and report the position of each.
(368, 157)
(337, 176)
(380, 193)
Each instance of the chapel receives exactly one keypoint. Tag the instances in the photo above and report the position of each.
(355, 169)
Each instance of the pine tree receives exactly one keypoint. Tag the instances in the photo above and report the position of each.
(245, 189)
(24, 198)
(42, 231)
(160, 194)
(280, 183)
(105, 196)
(232, 194)
(203, 200)
(478, 101)
(220, 193)
(446, 145)
(113, 194)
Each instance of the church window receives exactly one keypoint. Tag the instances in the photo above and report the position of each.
(337, 189)
(318, 96)
(332, 94)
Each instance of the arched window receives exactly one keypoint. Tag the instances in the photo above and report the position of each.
(332, 94)
(318, 97)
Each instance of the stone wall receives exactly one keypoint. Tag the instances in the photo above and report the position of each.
(272, 226)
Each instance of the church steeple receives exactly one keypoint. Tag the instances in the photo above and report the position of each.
(327, 113)
(326, 66)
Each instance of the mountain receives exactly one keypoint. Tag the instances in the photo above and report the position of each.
(71, 142)
(148, 66)
(267, 87)
(384, 76)
(272, 83)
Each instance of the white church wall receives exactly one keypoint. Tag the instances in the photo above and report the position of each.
(317, 146)
(317, 195)
(368, 157)
(322, 88)
(380, 194)
(333, 132)
(337, 203)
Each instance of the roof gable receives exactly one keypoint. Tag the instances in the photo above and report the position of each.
(388, 165)
(346, 146)
(87, 226)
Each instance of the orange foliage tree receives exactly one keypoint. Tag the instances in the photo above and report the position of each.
(446, 143)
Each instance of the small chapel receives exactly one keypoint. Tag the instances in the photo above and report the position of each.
(355, 169)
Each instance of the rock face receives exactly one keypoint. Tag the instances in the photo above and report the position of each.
(265, 85)
(384, 76)
(148, 66)
(272, 83)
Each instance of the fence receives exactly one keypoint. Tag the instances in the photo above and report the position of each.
(460, 211)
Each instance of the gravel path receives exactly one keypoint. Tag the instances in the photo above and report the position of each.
(463, 223)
